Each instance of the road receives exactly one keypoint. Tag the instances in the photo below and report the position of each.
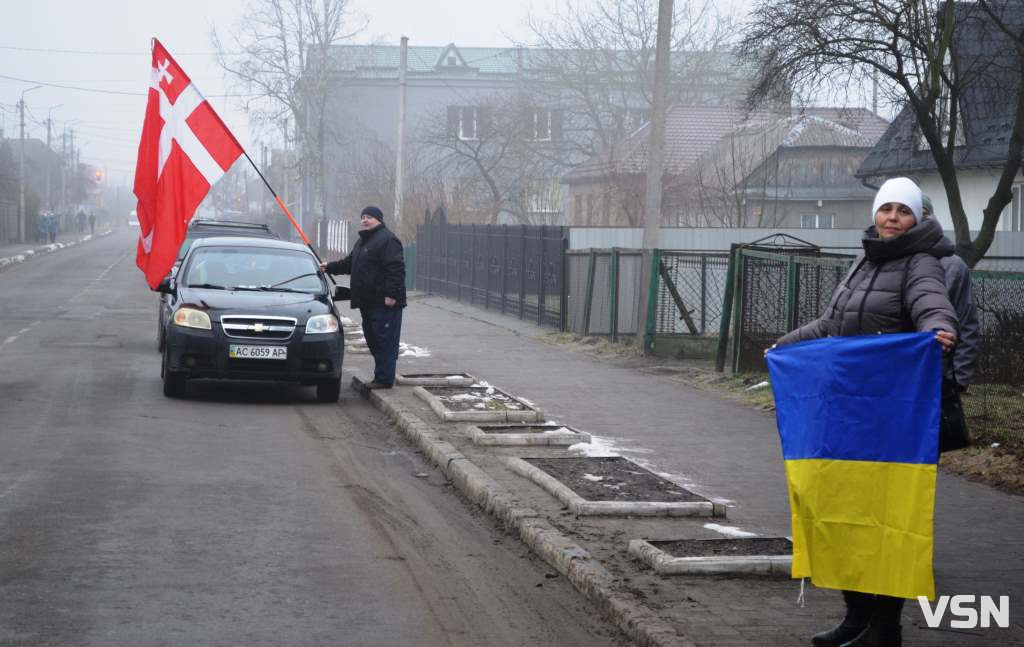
(244, 515)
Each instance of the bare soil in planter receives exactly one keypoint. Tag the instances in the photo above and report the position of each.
(521, 429)
(739, 547)
(475, 398)
(612, 479)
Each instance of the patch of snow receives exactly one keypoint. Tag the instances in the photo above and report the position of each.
(994, 445)
(407, 350)
(527, 402)
(597, 447)
(454, 377)
(591, 477)
(729, 531)
(759, 385)
(345, 321)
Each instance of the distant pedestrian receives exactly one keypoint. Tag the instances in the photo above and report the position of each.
(959, 373)
(81, 221)
(377, 266)
(92, 223)
(51, 227)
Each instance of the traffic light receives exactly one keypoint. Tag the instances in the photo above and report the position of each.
(98, 175)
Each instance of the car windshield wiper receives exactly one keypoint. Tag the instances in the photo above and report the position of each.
(207, 286)
(294, 278)
(266, 288)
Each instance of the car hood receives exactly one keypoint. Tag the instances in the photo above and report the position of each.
(279, 304)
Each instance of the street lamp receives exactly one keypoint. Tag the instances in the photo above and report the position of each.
(49, 120)
(21, 167)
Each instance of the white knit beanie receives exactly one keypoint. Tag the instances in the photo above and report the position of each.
(901, 190)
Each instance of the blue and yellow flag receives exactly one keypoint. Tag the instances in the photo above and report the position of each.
(859, 422)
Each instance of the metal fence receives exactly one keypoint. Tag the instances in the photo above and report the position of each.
(516, 269)
(773, 293)
(994, 405)
(603, 292)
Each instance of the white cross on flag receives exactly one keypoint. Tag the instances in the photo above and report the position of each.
(185, 149)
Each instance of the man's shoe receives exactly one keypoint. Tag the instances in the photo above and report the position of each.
(838, 635)
(377, 385)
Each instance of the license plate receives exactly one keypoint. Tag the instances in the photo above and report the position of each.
(238, 351)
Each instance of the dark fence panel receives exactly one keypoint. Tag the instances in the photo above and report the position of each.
(517, 269)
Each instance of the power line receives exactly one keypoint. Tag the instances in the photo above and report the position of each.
(111, 53)
(101, 91)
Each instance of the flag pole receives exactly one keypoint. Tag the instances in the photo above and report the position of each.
(281, 204)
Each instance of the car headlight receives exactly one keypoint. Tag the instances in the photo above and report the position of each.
(192, 318)
(321, 324)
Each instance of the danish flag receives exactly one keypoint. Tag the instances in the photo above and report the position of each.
(185, 149)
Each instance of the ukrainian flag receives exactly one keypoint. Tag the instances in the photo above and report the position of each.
(859, 422)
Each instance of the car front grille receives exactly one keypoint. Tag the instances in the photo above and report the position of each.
(258, 327)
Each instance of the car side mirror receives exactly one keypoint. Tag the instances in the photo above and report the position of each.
(342, 293)
(165, 286)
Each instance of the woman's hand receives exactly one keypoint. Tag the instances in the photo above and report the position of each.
(772, 347)
(947, 339)
(323, 266)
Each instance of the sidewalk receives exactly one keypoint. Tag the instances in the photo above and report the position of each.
(720, 449)
(12, 254)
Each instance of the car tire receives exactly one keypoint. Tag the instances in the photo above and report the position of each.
(328, 391)
(161, 334)
(174, 383)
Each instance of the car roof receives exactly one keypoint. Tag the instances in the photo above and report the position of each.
(240, 241)
(243, 228)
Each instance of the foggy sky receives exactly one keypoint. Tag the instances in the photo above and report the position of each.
(107, 126)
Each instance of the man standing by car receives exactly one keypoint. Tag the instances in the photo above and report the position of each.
(377, 267)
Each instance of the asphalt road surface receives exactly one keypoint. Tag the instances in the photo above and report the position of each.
(244, 515)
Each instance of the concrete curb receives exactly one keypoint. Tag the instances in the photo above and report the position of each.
(7, 262)
(637, 622)
(553, 438)
(582, 507)
(529, 413)
(665, 564)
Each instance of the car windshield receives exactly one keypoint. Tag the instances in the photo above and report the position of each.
(253, 268)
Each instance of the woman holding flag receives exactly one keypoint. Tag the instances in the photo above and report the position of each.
(896, 286)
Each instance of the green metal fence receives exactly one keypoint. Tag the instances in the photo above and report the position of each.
(771, 293)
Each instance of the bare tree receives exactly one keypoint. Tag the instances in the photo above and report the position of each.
(280, 51)
(501, 153)
(597, 63)
(912, 47)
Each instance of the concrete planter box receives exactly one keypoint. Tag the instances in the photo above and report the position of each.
(666, 564)
(532, 435)
(436, 379)
(582, 507)
(525, 412)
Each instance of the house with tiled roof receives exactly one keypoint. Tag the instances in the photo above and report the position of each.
(986, 115)
(729, 167)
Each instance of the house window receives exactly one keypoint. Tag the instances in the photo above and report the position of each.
(452, 61)
(468, 123)
(817, 221)
(540, 125)
(1013, 213)
(577, 207)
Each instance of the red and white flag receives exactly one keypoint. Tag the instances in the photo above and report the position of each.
(185, 149)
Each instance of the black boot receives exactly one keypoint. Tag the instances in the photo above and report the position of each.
(884, 628)
(859, 608)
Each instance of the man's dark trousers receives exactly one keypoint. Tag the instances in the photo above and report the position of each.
(382, 328)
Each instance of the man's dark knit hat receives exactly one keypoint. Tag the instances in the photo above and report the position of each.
(373, 212)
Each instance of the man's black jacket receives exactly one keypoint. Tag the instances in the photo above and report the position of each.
(377, 266)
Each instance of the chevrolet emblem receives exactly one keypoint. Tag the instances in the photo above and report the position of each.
(258, 327)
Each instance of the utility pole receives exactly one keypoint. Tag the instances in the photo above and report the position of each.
(655, 164)
(400, 162)
(21, 172)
